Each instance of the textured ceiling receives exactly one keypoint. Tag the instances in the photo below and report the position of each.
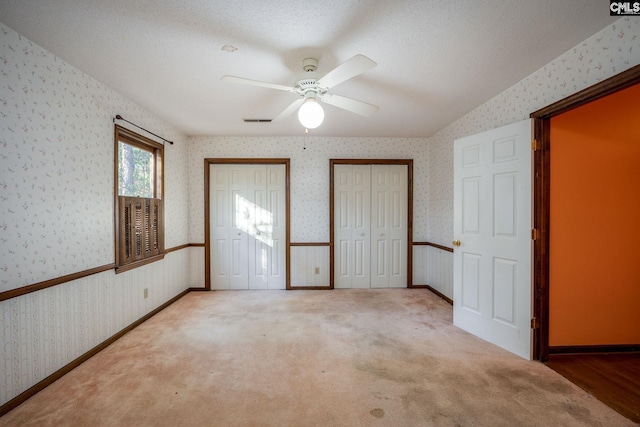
(436, 60)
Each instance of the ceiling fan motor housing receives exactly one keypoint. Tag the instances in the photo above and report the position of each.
(309, 64)
(308, 81)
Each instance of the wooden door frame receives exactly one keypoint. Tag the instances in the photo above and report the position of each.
(207, 206)
(541, 193)
(409, 164)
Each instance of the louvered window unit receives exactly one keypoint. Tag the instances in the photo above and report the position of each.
(139, 216)
(141, 221)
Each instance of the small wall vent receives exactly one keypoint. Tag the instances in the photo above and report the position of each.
(257, 120)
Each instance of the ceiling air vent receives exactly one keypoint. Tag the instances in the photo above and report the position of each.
(257, 120)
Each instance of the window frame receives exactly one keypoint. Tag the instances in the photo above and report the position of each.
(122, 264)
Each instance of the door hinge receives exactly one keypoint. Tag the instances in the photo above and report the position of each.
(534, 145)
(535, 234)
(534, 323)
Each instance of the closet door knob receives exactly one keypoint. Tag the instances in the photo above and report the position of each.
(456, 243)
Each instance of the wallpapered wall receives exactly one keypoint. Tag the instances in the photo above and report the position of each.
(56, 166)
(605, 54)
(309, 175)
(56, 155)
(56, 215)
(309, 161)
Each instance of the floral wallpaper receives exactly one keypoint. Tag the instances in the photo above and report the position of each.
(56, 215)
(56, 183)
(309, 175)
(605, 54)
(56, 166)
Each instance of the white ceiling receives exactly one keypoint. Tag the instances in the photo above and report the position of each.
(437, 60)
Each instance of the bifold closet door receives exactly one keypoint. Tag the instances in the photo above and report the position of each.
(229, 244)
(267, 228)
(248, 227)
(370, 229)
(389, 226)
(352, 228)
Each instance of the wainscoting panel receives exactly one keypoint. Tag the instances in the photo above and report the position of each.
(439, 270)
(305, 261)
(420, 265)
(196, 267)
(45, 330)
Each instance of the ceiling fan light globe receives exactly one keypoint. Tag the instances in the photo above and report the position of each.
(311, 114)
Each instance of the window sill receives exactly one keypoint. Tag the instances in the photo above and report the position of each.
(140, 263)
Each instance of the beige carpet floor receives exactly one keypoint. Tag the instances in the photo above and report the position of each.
(309, 358)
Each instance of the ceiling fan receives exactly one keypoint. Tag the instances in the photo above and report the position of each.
(312, 89)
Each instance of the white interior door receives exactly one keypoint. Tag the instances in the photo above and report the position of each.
(220, 218)
(229, 250)
(248, 226)
(370, 229)
(240, 213)
(492, 222)
(352, 228)
(274, 225)
(259, 227)
(389, 226)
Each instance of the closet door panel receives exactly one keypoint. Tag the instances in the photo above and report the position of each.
(240, 227)
(220, 220)
(397, 231)
(370, 226)
(343, 201)
(380, 226)
(361, 227)
(276, 226)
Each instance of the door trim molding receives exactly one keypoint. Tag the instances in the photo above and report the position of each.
(409, 164)
(541, 193)
(207, 231)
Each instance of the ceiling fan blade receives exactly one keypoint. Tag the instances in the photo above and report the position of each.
(250, 82)
(349, 104)
(289, 110)
(354, 66)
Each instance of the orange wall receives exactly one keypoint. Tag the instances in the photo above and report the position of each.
(594, 286)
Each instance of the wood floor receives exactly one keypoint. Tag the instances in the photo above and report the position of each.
(613, 378)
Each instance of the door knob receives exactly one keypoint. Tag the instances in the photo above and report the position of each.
(456, 243)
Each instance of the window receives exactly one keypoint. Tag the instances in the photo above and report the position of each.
(139, 219)
(135, 171)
